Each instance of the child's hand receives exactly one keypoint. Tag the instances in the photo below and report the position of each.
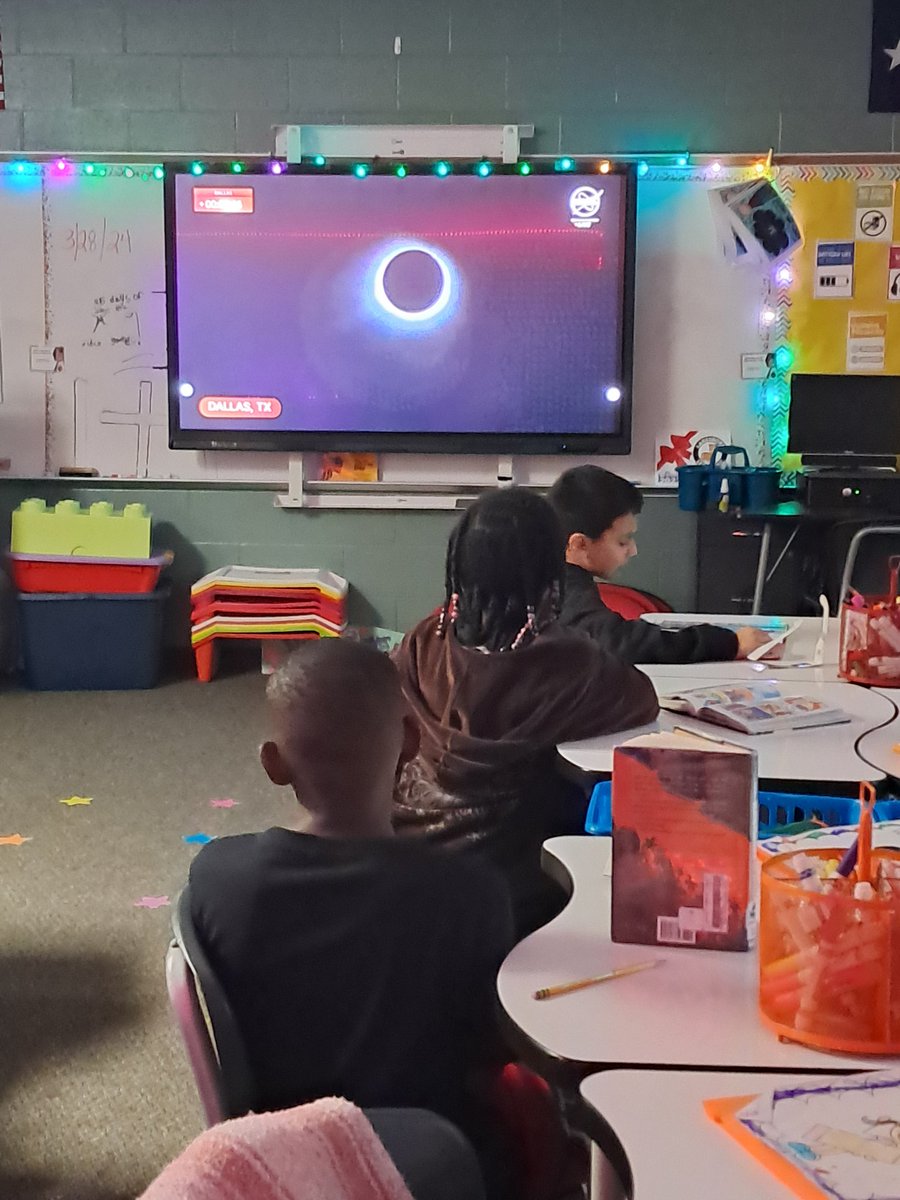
(750, 638)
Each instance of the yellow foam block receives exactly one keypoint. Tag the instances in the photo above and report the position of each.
(96, 532)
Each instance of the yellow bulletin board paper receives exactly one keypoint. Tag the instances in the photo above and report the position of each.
(830, 204)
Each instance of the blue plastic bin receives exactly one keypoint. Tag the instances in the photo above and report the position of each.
(776, 809)
(74, 642)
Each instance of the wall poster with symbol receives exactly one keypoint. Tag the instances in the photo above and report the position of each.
(874, 212)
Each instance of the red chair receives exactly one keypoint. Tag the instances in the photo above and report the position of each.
(631, 603)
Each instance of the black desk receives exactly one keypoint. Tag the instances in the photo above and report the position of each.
(797, 512)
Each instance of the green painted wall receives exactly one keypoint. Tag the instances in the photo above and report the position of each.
(393, 560)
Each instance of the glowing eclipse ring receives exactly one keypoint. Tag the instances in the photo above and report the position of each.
(437, 305)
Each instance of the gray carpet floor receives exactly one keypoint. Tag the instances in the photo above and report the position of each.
(95, 1093)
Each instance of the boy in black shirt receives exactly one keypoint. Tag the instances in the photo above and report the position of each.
(358, 964)
(598, 512)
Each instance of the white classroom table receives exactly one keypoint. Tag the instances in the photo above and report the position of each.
(674, 1150)
(823, 753)
(878, 747)
(800, 647)
(698, 1009)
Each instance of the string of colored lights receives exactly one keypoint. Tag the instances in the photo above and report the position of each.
(482, 167)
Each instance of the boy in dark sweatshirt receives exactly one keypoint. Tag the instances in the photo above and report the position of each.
(598, 512)
(358, 963)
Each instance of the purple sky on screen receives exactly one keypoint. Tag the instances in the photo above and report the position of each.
(417, 304)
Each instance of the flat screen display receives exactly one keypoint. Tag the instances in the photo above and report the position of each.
(844, 415)
(326, 311)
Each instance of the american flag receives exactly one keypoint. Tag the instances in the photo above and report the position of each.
(884, 80)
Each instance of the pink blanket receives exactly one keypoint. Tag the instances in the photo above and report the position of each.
(326, 1150)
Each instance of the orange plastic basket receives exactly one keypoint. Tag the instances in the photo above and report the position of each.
(829, 964)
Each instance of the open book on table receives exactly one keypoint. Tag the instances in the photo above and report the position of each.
(753, 708)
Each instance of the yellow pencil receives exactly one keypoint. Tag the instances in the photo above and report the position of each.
(561, 989)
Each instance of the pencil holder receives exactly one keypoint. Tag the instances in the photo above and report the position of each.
(829, 963)
(870, 636)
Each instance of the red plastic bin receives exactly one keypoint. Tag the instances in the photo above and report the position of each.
(63, 573)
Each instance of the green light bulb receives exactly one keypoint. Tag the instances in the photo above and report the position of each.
(159, 172)
(319, 160)
(237, 168)
(524, 168)
(197, 168)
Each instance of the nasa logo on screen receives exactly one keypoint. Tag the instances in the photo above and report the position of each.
(584, 206)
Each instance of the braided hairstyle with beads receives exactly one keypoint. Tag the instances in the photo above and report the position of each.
(505, 571)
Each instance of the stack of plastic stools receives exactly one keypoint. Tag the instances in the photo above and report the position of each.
(263, 603)
(90, 608)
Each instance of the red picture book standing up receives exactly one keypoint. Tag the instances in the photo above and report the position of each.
(684, 830)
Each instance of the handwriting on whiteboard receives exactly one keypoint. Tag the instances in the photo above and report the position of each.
(94, 242)
(115, 320)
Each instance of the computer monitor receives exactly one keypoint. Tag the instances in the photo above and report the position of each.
(844, 417)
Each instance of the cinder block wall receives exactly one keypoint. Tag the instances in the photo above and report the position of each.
(593, 75)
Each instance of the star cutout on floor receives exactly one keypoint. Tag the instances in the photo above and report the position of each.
(196, 839)
(72, 801)
(152, 902)
(894, 55)
(14, 839)
(225, 803)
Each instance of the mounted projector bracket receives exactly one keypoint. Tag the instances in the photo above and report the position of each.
(293, 142)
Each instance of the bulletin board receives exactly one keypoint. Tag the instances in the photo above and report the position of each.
(845, 288)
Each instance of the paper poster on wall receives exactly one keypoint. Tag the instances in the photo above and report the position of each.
(833, 278)
(692, 448)
(893, 285)
(874, 212)
(754, 223)
(866, 333)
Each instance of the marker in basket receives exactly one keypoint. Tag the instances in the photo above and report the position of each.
(563, 989)
(859, 855)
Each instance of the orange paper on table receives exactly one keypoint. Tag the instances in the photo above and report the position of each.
(829, 1136)
(724, 1112)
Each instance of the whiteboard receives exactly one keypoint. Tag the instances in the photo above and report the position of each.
(82, 271)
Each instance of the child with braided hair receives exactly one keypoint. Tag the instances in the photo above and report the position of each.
(494, 682)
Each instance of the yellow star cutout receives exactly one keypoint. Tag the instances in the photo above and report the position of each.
(14, 839)
(73, 800)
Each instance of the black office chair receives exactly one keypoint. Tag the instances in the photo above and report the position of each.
(436, 1161)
